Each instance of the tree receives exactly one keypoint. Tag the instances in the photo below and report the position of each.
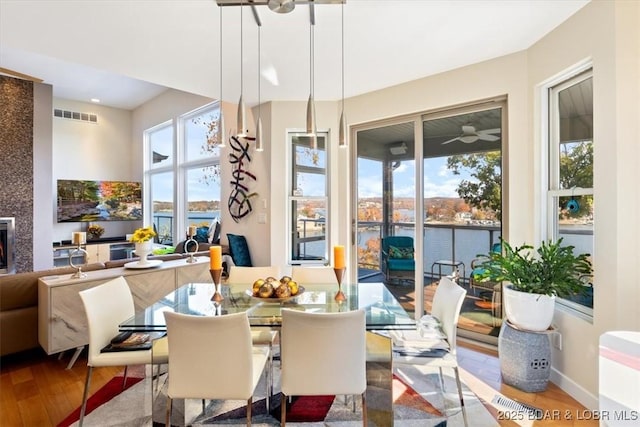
(576, 165)
(485, 191)
(576, 171)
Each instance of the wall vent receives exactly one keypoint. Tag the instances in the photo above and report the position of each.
(74, 115)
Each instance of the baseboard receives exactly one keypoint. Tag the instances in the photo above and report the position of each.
(574, 390)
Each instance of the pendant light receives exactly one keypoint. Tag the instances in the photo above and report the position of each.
(311, 108)
(259, 123)
(221, 138)
(242, 117)
(342, 133)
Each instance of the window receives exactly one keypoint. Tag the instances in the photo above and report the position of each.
(570, 200)
(183, 173)
(308, 200)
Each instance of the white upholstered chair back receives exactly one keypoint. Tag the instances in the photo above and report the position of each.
(212, 357)
(446, 306)
(239, 274)
(106, 306)
(310, 275)
(323, 354)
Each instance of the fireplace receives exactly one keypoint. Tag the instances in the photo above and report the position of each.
(7, 246)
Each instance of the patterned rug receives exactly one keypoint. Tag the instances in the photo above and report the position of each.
(418, 402)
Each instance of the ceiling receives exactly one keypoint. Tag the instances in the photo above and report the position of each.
(126, 53)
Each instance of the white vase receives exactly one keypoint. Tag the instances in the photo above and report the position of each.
(143, 250)
(527, 311)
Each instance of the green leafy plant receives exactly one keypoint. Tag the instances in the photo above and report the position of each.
(551, 269)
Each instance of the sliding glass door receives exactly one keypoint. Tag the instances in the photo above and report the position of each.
(450, 204)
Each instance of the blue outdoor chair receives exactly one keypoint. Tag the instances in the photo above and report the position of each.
(397, 258)
(476, 271)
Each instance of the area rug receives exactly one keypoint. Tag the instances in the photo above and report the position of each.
(418, 402)
(107, 392)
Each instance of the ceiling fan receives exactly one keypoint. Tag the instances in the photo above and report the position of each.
(470, 135)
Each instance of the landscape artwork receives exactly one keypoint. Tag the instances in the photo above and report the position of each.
(90, 201)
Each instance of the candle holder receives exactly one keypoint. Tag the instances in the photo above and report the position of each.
(191, 241)
(339, 297)
(215, 275)
(78, 251)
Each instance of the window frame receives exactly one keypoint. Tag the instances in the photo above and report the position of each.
(552, 184)
(180, 168)
(293, 197)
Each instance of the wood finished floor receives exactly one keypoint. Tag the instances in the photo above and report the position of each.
(38, 390)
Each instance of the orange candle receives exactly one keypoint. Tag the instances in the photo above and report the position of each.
(338, 256)
(79, 238)
(215, 257)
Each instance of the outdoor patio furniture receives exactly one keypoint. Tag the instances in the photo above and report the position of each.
(397, 258)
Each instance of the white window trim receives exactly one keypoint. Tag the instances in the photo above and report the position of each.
(291, 198)
(548, 220)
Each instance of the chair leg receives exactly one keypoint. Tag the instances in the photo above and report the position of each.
(124, 378)
(364, 409)
(459, 383)
(85, 395)
(168, 418)
(270, 378)
(249, 404)
(283, 410)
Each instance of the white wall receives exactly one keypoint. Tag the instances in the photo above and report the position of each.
(607, 33)
(92, 151)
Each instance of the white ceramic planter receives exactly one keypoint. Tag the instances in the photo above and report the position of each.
(530, 312)
(143, 250)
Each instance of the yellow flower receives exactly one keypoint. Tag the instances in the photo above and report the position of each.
(143, 235)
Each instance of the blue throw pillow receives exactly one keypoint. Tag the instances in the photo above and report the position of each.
(239, 250)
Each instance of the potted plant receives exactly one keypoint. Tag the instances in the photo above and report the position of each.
(95, 231)
(143, 239)
(534, 278)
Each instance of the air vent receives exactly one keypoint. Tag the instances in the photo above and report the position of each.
(517, 409)
(74, 115)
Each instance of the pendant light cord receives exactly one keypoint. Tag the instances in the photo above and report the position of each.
(342, 28)
(311, 51)
(259, 68)
(241, 52)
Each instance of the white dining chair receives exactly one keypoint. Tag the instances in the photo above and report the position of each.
(310, 275)
(446, 306)
(323, 354)
(106, 306)
(259, 336)
(211, 357)
(248, 275)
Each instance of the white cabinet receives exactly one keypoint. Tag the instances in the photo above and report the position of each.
(99, 252)
(62, 323)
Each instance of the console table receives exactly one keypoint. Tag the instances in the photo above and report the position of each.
(62, 324)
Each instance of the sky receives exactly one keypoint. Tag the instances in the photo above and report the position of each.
(438, 180)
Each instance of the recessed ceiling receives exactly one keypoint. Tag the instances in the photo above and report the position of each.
(128, 52)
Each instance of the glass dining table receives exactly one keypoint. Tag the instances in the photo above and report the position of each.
(382, 309)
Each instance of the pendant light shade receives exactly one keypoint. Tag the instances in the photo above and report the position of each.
(259, 136)
(342, 132)
(242, 119)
